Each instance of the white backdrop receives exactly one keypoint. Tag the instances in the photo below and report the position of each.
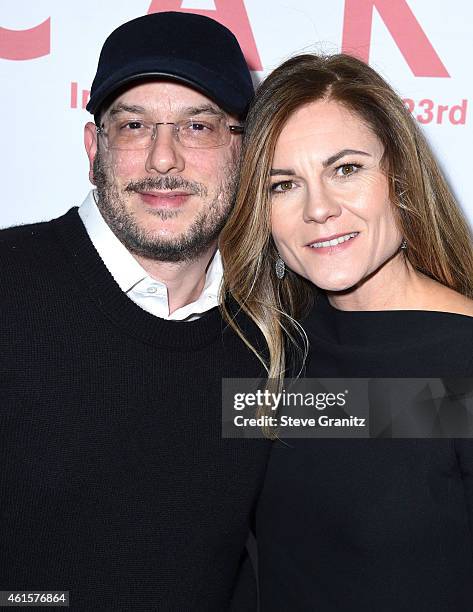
(49, 51)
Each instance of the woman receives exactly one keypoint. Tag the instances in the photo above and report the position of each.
(341, 199)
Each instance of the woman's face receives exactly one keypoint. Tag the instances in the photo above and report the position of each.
(332, 220)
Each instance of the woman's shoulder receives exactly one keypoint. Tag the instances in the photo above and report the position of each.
(443, 299)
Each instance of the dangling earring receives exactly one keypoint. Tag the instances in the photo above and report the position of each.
(280, 268)
(404, 244)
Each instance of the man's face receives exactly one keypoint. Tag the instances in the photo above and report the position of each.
(166, 202)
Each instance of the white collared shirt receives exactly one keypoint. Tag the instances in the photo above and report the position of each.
(149, 293)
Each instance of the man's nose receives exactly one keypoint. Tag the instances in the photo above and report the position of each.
(165, 154)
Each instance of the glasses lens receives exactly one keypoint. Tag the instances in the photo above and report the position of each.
(203, 133)
(130, 135)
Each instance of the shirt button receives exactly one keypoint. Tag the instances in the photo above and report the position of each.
(152, 289)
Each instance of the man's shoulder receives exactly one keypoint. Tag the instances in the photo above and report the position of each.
(19, 236)
(30, 253)
(21, 239)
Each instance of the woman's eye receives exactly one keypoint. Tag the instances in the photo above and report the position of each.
(347, 169)
(282, 186)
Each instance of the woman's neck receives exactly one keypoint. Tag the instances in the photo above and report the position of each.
(394, 286)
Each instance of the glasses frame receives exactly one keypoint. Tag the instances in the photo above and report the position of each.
(232, 129)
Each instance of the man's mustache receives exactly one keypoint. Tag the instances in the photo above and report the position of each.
(167, 183)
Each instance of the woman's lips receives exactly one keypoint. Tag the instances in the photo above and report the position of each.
(164, 199)
(333, 248)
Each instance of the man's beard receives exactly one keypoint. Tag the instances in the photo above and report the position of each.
(193, 242)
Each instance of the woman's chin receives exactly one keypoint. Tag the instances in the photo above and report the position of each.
(334, 285)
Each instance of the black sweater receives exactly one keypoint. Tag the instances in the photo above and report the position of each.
(115, 482)
(375, 525)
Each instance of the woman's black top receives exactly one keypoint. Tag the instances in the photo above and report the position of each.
(379, 525)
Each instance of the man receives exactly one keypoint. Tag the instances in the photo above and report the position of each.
(116, 484)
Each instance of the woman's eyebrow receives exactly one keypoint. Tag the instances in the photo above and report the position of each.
(277, 171)
(333, 158)
(328, 162)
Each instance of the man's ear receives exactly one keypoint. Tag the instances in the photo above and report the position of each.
(90, 142)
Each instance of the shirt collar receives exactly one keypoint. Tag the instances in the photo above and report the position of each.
(121, 264)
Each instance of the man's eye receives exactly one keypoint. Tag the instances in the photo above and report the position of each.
(133, 125)
(282, 186)
(199, 126)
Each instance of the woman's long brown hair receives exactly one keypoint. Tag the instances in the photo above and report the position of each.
(438, 237)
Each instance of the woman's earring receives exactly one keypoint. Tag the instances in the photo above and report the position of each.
(280, 268)
(404, 244)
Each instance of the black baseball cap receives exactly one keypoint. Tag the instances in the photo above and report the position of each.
(189, 48)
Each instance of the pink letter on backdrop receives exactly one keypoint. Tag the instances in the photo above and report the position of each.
(26, 44)
(403, 27)
(230, 13)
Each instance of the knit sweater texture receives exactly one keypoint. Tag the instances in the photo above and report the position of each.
(115, 482)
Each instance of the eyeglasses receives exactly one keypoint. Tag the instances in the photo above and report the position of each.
(207, 133)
